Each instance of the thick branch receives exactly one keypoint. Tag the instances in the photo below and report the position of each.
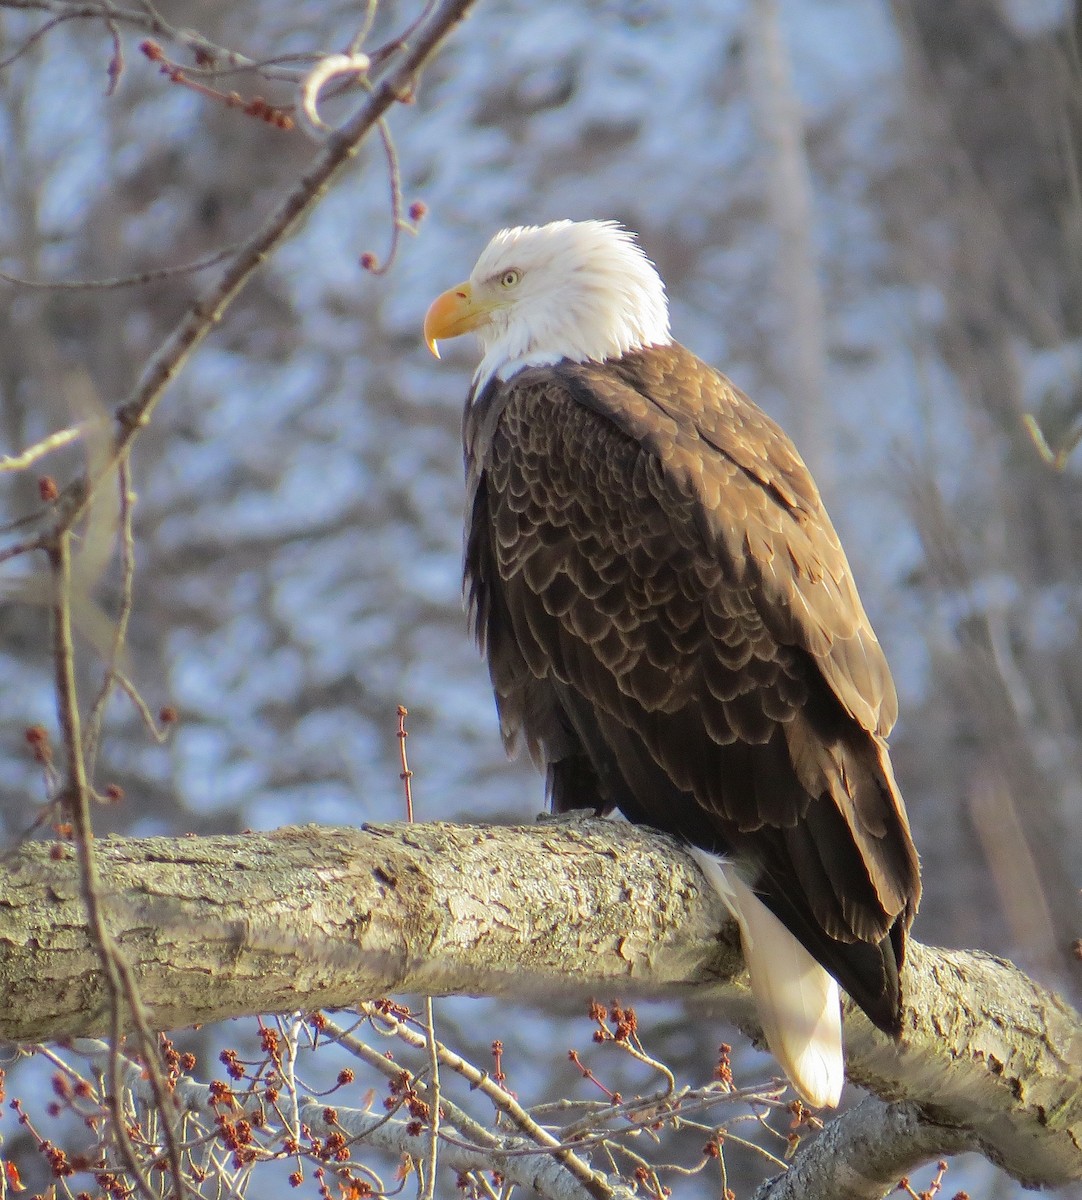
(308, 918)
(311, 917)
(863, 1153)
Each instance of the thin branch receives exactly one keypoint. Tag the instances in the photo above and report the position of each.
(406, 775)
(539, 1172)
(121, 986)
(365, 27)
(253, 106)
(431, 1046)
(120, 631)
(331, 66)
(35, 37)
(399, 224)
(1058, 456)
(116, 61)
(158, 729)
(434, 1103)
(54, 441)
(138, 279)
(27, 546)
(341, 147)
(500, 1097)
(149, 20)
(479, 1135)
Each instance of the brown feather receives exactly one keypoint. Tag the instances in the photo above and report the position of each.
(672, 626)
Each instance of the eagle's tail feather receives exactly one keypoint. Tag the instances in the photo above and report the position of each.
(797, 1001)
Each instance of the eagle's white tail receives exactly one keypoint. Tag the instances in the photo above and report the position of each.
(798, 1002)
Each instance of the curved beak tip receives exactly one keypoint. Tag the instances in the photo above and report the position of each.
(450, 315)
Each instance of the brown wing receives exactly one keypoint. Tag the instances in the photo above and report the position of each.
(671, 622)
(764, 510)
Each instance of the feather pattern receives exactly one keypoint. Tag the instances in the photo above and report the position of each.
(673, 630)
(671, 563)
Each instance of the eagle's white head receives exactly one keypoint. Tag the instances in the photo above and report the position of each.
(582, 290)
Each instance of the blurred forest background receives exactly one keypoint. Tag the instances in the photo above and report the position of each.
(868, 214)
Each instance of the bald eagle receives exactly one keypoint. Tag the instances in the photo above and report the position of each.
(672, 627)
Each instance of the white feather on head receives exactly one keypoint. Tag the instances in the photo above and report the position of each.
(585, 291)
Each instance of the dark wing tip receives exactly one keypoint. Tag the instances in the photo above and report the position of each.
(873, 982)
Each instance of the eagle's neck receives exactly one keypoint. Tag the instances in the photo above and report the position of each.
(589, 318)
(497, 364)
(501, 366)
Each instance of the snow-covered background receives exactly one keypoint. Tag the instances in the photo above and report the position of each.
(300, 505)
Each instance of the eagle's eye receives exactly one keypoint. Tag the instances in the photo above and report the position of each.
(509, 278)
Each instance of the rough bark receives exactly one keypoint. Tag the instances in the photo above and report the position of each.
(313, 917)
(862, 1154)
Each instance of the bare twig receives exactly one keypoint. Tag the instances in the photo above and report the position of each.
(138, 279)
(434, 1103)
(120, 630)
(116, 61)
(1055, 457)
(54, 441)
(399, 224)
(165, 364)
(253, 106)
(429, 1184)
(332, 66)
(406, 775)
(365, 27)
(147, 19)
(121, 985)
(500, 1097)
(158, 729)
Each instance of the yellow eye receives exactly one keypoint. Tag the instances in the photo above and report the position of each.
(509, 278)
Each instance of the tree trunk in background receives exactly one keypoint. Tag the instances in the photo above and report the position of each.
(1000, 111)
(799, 342)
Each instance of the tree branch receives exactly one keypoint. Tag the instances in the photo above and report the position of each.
(545, 1174)
(309, 917)
(341, 147)
(862, 1154)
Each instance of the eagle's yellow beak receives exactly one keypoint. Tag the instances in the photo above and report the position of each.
(454, 313)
